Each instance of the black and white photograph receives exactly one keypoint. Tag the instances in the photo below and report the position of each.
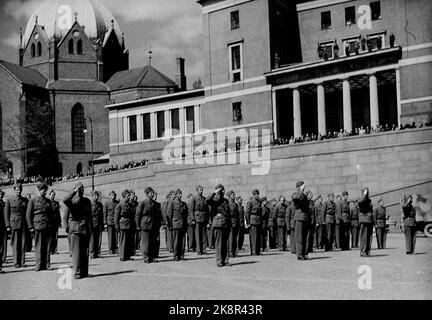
(235, 151)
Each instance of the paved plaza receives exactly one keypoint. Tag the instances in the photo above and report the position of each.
(272, 276)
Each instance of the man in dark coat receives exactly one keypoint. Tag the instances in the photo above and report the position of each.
(290, 217)
(158, 224)
(264, 223)
(221, 223)
(199, 213)
(366, 223)
(96, 225)
(253, 217)
(57, 223)
(177, 213)
(279, 213)
(168, 231)
(235, 217)
(329, 212)
(338, 218)
(311, 231)
(15, 211)
(302, 221)
(109, 223)
(272, 225)
(380, 217)
(79, 227)
(191, 241)
(3, 232)
(345, 222)
(40, 219)
(409, 224)
(355, 225)
(134, 228)
(320, 223)
(125, 221)
(242, 227)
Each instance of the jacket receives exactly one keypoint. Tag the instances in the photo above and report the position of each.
(329, 211)
(15, 211)
(266, 216)
(379, 216)
(241, 215)
(301, 208)
(290, 215)
(124, 216)
(177, 213)
(365, 210)
(221, 211)
(320, 216)
(109, 212)
(338, 211)
(345, 211)
(279, 213)
(234, 214)
(2, 216)
(408, 215)
(199, 209)
(147, 215)
(57, 217)
(79, 214)
(164, 211)
(313, 213)
(254, 212)
(354, 213)
(97, 214)
(40, 213)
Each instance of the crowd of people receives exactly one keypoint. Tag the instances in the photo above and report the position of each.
(218, 221)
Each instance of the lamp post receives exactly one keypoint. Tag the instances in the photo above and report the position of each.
(91, 143)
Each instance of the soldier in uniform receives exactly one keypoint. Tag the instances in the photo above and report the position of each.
(345, 222)
(320, 223)
(366, 223)
(409, 224)
(302, 221)
(191, 225)
(146, 218)
(235, 217)
(272, 225)
(28, 235)
(311, 231)
(109, 223)
(380, 217)
(199, 212)
(221, 224)
(168, 231)
(80, 217)
(329, 212)
(125, 221)
(136, 234)
(279, 213)
(290, 217)
(3, 232)
(96, 225)
(253, 217)
(264, 223)
(15, 211)
(40, 219)
(242, 229)
(338, 218)
(159, 222)
(57, 223)
(355, 225)
(177, 213)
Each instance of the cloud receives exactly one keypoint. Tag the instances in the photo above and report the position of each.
(19, 9)
(12, 40)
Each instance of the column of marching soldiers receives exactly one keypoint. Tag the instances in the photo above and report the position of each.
(217, 221)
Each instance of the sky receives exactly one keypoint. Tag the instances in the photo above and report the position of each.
(173, 28)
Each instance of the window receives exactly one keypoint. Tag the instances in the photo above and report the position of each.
(375, 10)
(325, 20)
(146, 126)
(71, 46)
(236, 62)
(79, 47)
(132, 128)
(350, 16)
(190, 120)
(160, 119)
(376, 41)
(235, 20)
(175, 121)
(33, 50)
(39, 49)
(351, 46)
(78, 126)
(237, 113)
(327, 50)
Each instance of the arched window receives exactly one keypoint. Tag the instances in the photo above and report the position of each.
(33, 50)
(39, 49)
(79, 47)
(78, 126)
(71, 46)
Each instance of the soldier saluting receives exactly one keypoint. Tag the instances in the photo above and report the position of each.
(302, 221)
(409, 223)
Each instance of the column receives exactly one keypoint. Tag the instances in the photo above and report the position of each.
(398, 97)
(297, 113)
(347, 117)
(182, 120)
(153, 122)
(139, 127)
(322, 128)
(275, 124)
(167, 121)
(373, 96)
(197, 118)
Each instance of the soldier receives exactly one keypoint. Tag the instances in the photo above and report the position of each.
(279, 213)
(409, 224)
(272, 225)
(221, 224)
(264, 223)
(177, 213)
(320, 223)
(15, 211)
(290, 217)
(311, 231)
(124, 219)
(235, 217)
(96, 225)
(242, 229)
(355, 225)
(136, 234)
(302, 221)
(67, 230)
(253, 217)
(168, 231)
(380, 217)
(146, 219)
(345, 222)
(366, 223)
(199, 212)
(28, 235)
(329, 212)
(210, 231)
(191, 225)
(159, 223)
(80, 217)
(40, 219)
(109, 223)
(57, 223)
(3, 232)
(338, 217)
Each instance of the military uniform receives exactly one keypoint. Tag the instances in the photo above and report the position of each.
(329, 212)
(410, 224)
(159, 223)
(272, 228)
(199, 212)
(302, 224)
(366, 225)
(345, 225)
(125, 221)
(96, 228)
(355, 225)
(242, 230)
(191, 227)
(136, 239)
(15, 210)
(311, 231)
(168, 231)
(321, 226)
(146, 218)
(337, 229)
(290, 217)
(254, 218)
(3, 233)
(264, 226)
(379, 216)
(56, 225)
(279, 213)
(80, 217)
(234, 230)
(177, 213)
(109, 214)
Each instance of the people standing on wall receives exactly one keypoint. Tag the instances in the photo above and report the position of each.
(329, 212)
(366, 222)
(96, 225)
(254, 218)
(57, 223)
(242, 227)
(380, 218)
(124, 216)
(302, 221)
(409, 224)
(109, 223)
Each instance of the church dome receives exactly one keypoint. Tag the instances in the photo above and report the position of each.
(57, 17)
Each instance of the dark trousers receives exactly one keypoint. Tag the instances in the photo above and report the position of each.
(169, 240)
(310, 238)
(157, 243)
(344, 235)
(211, 237)
(28, 240)
(330, 232)
(53, 240)
(112, 239)
(127, 244)
(301, 232)
(282, 241)
(3, 240)
(264, 234)
(232, 241)
(322, 236)
(355, 232)
(70, 243)
(42, 253)
(240, 237)
(137, 241)
(255, 239)
(337, 235)
(148, 244)
(221, 245)
(380, 234)
(200, 231)
(19, 246)
(366, 232)
(178, 240)
(410, 239)
(293, 241)
(95, 236)
(272, 232)
(80, 258)
(191, 238)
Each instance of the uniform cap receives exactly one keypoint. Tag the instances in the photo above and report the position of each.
(264, 199)
(299, 184)
(345, 193)
(230, 193)
(94, 192)
(220, 186)
(41, 186)
(148, 190)
(178, 191)
(255, 192)
(198, 187)
(125, 193)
